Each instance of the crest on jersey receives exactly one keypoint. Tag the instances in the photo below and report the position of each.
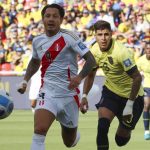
(48, 55)
(110, 59)
(81, 46)
(127, 62)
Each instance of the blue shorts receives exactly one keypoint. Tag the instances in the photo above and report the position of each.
(147, 92)
(117, 103)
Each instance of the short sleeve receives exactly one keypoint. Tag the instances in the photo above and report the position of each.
(127, 59)
(77, 45)
(34, 51)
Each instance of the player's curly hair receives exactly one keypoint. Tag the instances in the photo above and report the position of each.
(61, 9)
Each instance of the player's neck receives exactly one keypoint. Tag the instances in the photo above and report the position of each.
(52, 33)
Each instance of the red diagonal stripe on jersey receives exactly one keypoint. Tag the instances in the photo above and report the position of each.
(51, 54)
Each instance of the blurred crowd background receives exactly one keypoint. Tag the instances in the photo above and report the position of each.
(20, 22)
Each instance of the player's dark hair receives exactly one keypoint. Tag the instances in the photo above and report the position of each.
(61, 9)
(101, 25)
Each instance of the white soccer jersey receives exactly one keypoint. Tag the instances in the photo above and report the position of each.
(58, 55)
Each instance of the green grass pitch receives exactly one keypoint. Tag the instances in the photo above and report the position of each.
(16, 133)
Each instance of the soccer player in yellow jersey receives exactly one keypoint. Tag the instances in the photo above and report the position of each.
(122, 94)
(144, 66)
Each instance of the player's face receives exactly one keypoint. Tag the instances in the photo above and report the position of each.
(52, 21)
(147, 51)
(104, 38)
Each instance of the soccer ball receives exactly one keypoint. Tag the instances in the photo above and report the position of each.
(6, 104)
(59, 2)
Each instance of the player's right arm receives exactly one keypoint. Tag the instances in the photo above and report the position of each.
(32, 68)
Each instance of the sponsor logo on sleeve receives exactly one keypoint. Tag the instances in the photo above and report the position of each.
(127, 62)
(81, 46)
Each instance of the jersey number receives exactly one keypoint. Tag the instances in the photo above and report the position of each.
(42, 95)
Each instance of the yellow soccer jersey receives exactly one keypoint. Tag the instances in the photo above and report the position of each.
(114, 64)
(144, 66)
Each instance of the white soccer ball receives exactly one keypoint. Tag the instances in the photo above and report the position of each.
(59, 2)
(6, 104)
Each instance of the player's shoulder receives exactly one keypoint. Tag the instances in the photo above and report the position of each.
(94, 48)
(121, 49)
(118, 45)
(91, 43)
(142, 59)
(38, 38)
(68, 34)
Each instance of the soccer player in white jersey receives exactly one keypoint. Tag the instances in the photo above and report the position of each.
(56, 51)
(122, 94)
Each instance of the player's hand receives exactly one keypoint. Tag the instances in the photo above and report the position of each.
(127, 112)
(84, 105)
(74, 82)
(22, 87)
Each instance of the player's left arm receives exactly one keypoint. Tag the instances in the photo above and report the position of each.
(137, 80)
(132, 70)
(89, 65)
(130, 67)
(135, 87)
(79, 47)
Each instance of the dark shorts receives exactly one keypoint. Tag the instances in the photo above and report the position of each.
(147, 92)
(117, 103)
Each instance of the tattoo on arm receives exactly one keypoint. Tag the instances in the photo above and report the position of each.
(88, 83)
(89, 64)
(32, 68)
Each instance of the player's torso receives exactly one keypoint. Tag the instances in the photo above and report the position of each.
(110, 64)
(117, 79)
(58, 62)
